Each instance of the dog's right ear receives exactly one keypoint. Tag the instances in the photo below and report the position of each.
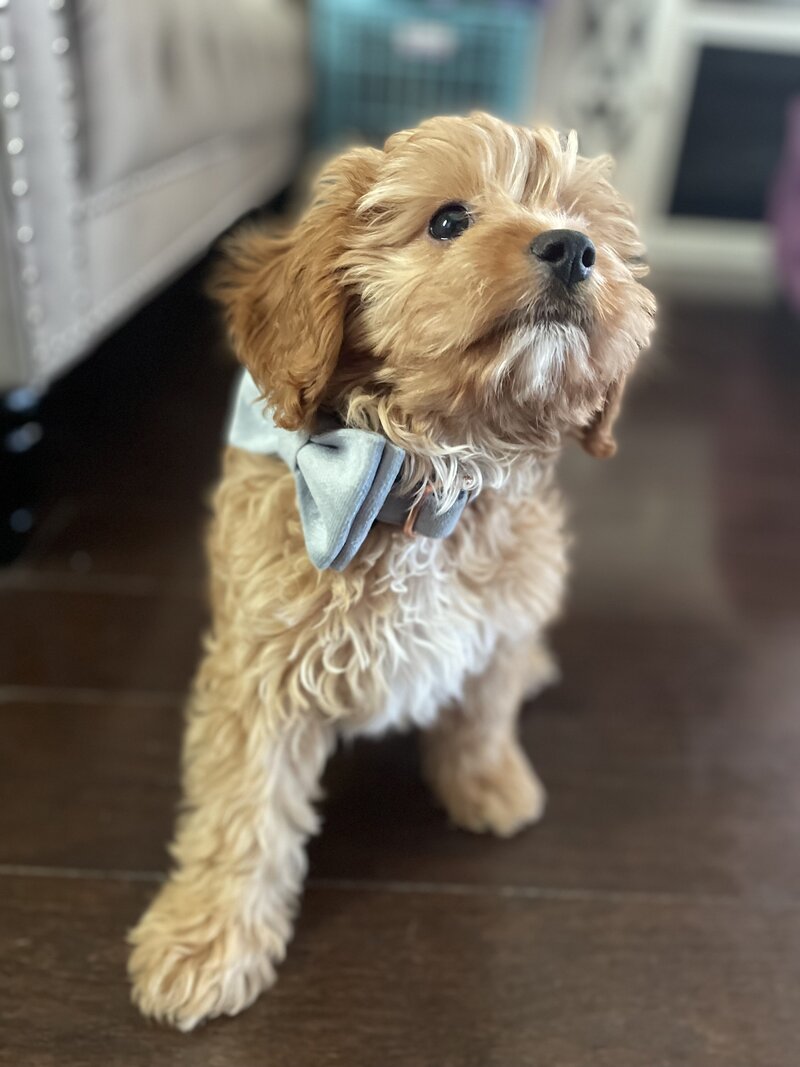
(597, 438)
(282, 295)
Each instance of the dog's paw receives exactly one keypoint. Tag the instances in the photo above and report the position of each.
(501, 798)
(190, 963)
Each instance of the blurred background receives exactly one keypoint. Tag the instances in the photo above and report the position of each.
(660, 894)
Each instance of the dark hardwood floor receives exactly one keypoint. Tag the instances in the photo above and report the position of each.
(651, 920)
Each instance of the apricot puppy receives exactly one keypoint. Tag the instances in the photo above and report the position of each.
(471, 293)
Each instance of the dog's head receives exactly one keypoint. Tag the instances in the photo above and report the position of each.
(472, 289)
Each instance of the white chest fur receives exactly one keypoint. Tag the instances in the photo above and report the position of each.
(390, 640)
(443, 606)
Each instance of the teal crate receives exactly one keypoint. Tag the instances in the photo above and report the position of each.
(384, 65)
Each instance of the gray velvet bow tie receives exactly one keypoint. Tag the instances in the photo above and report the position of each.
(345, 480)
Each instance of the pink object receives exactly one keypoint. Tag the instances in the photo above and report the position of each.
(784, 207)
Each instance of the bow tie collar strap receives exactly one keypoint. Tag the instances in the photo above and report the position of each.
(345, 480)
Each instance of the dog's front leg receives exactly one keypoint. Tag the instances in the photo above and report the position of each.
(208, 944)
(471, 756)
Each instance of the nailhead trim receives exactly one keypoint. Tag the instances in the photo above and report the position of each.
(22, 222)
(61, 47)
(19, 184)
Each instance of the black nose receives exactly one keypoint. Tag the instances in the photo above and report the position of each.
(569, 254)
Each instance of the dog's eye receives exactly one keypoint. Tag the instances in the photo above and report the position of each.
(449, 221)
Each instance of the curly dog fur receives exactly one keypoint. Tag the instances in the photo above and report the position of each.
(467, 355)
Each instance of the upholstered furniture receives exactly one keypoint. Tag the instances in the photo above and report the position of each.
(133, 132)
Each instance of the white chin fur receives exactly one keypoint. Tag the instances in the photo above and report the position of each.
(541, 356)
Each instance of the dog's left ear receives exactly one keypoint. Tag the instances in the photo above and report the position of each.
(283, 298)
(597, 436)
